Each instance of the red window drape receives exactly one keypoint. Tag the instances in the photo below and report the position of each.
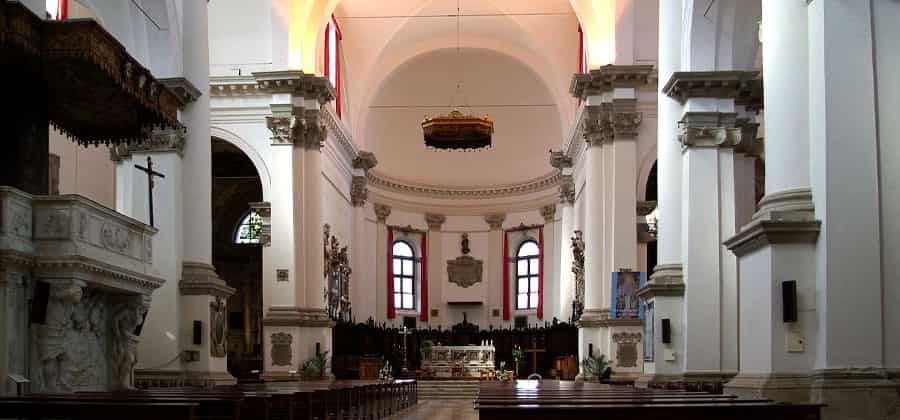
(391, 310)
(505, 276)
(540, 305)
(424, 293)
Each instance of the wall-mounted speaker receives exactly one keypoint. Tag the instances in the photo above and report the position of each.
(666, 331)
(789, 301)
(39, 302)
(520, 321)
(198, 333)
(409, 322)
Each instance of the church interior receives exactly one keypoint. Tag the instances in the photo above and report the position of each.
(286, 209)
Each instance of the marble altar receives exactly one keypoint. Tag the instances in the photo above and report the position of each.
(472, 359)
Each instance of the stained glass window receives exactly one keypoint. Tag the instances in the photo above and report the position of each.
(249, 229)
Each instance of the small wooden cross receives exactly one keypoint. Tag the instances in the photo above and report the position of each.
(534, 350)
(150, 174)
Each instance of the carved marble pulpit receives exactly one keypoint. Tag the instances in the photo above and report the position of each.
(86, 270)
(473, 359)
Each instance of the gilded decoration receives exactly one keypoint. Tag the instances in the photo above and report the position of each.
(337, 275)
(457, 131)
(465, 271)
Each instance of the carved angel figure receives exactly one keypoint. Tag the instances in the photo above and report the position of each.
(52, 336)
(126, 317)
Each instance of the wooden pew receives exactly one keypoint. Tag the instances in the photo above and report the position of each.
(97, 410)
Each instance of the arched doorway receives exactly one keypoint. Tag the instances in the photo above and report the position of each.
(237, 253)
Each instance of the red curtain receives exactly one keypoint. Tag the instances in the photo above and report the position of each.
(505, 260)
(391, 310)
(424, 306)
(540, 305)
(63, 9)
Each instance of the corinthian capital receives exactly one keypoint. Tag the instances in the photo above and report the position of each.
(495, 221)
(435, 221)
(382, 212)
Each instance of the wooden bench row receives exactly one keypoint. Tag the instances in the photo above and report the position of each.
(280, 401)
(568, 400)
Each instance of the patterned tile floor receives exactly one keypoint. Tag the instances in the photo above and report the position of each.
(440, 410)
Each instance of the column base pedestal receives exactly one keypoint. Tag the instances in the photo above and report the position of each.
(291, 337)
(712, 382)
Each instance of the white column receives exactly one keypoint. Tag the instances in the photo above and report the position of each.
(313, 225)
(551, 288)
(665, 288)
(596, 304)
(566, 277)
(382, 212)
(435, 260)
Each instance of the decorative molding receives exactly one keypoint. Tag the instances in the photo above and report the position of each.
(97, 273)
(610, 77)
(465, 271)
(297, 317)
(365, 161)
(762, 233)
(342, 136)
(296, 83)
(667, 280)
(230, 86)
(548, 212)
(495, 221)
(358, 191)
(435, 221)
(538, 184)
(745, 86)
(560, 160)
(382, 212)
(184, 90)
(160, 140)
(786, 205)
(709, 129)
(201, 279)
(567, 189)
(594, 318)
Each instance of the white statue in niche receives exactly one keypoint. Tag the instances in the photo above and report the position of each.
(126, 317)
(53, 349)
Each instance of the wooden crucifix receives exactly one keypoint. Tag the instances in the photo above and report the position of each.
(534, 350)
(150, 174)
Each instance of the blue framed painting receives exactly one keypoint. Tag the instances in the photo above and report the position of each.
(625, 303)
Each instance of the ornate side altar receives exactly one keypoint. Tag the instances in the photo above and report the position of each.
(471, 359)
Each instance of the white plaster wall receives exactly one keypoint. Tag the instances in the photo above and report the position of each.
(240, 36)
(86, 171)
(886, 31)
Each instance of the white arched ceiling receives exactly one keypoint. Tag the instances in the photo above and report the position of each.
(523, 133)
(720, 35)
(380, 37)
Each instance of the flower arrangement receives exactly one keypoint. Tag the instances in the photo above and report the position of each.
(314, 367)
(595, 368)
(517, 353)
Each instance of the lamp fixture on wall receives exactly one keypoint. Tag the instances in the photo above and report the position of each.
(457, 130)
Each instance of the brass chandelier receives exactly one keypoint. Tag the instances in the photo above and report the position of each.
(456, 130)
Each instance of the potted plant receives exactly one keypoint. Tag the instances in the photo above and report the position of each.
(596, 368)
(314, 367)
(517, 355)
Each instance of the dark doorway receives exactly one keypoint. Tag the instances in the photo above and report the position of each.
(237, 253)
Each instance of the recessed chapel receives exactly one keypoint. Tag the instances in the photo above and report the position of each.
(495, 209)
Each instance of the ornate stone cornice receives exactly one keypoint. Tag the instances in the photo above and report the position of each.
(341, 135)
(228, 86)
(76, 266)
(538, 184)
(495, 221)
(548, 212)
(560, 160)
(709, 129)
(737, 85)
(594, 318)
(297, 317)
(297, 83)
(435, 221)
(201, 279)
(301, 127)
(358, 191)
(160, 140)
(382, 212)
(264, 210)
(365, 161)
(610, 77)
(183, 89)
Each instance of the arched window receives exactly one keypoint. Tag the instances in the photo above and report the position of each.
(527, 273)
(248, 230)
(404, 276)
(333, 60)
